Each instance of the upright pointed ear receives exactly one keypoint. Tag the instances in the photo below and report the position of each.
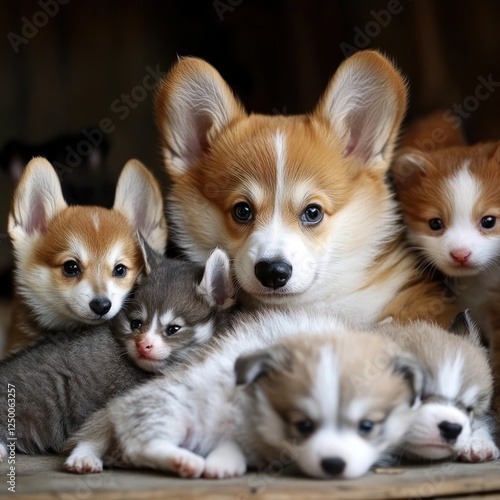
(364, 103)
(138, 197)
(217, 284)
(37, 199)
(193, 105)
(249, 368)
(408, 166)
(152, 259)
(463, 325)
(412, 372)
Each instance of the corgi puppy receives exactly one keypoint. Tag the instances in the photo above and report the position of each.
(453, 419)
(241, 407)
(193, 305)
(450, 202)
(300, 203)
(75, 265)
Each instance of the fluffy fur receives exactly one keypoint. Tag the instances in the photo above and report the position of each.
(64, 378)
(453, 419)
(300, 203)
(76, 265)
(298, 398)
(450, 202)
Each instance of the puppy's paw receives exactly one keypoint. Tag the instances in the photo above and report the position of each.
(83, 464)
(225, 461)
(188, 464)
(479, 450)
(3, 452)
(219, 469)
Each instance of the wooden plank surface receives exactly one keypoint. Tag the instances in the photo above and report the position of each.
(42, 478)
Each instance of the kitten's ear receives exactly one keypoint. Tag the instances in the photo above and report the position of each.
(364, 103)
(408, 166)
(152, 259)
(412, 372)
(217, 284)
(138, 197)
(463, 325)
(37, 199)
(193, 105)
(251, 367)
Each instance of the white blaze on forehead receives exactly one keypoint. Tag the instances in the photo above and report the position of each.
(463, 190)
(449, 378)
(153, 326)
(326, 386)
(279, 145)
(95, 220)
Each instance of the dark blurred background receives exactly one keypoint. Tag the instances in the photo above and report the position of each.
(69, 68)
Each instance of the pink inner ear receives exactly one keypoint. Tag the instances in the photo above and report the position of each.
(37, 219)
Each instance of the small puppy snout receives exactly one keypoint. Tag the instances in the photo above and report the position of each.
(449, 431)
(273, 274)
(333, 465)
(460, 255)
(144, 347)
(100, 306)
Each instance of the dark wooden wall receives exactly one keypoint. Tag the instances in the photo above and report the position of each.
(277, 54)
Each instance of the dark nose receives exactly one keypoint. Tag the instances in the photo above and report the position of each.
(273, 274)
(333, 465)
(449, 431)
(100, 306)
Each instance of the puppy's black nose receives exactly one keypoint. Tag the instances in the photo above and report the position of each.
(100, 305)
(449, 431)
(273, 274)
(333, 465)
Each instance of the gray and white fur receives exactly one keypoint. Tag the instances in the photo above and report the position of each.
(59, 382)
(216, 417)
(453, 420)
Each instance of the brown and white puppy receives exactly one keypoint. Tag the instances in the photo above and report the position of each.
(450, 201)
(300, 203)
(75, 265)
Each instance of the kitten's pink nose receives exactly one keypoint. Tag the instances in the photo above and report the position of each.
(145, 347)
(460, 255)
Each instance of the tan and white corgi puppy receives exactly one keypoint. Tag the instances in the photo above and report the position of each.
(454, 417)
(300, 203)
(253, 401)
(76, 264)
(450, 201)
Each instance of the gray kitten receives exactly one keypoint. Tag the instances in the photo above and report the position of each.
(53, 386)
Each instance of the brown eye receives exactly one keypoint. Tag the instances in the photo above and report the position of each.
(304, 427)
(71, 269)
(172, 330)
(242, 212)
(135, 324)
(436, 224)
(120, 271)
(488, 222)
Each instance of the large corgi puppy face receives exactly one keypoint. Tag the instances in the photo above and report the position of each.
(77, 264)
(292, 199)
(335, 403)
(451, 204)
